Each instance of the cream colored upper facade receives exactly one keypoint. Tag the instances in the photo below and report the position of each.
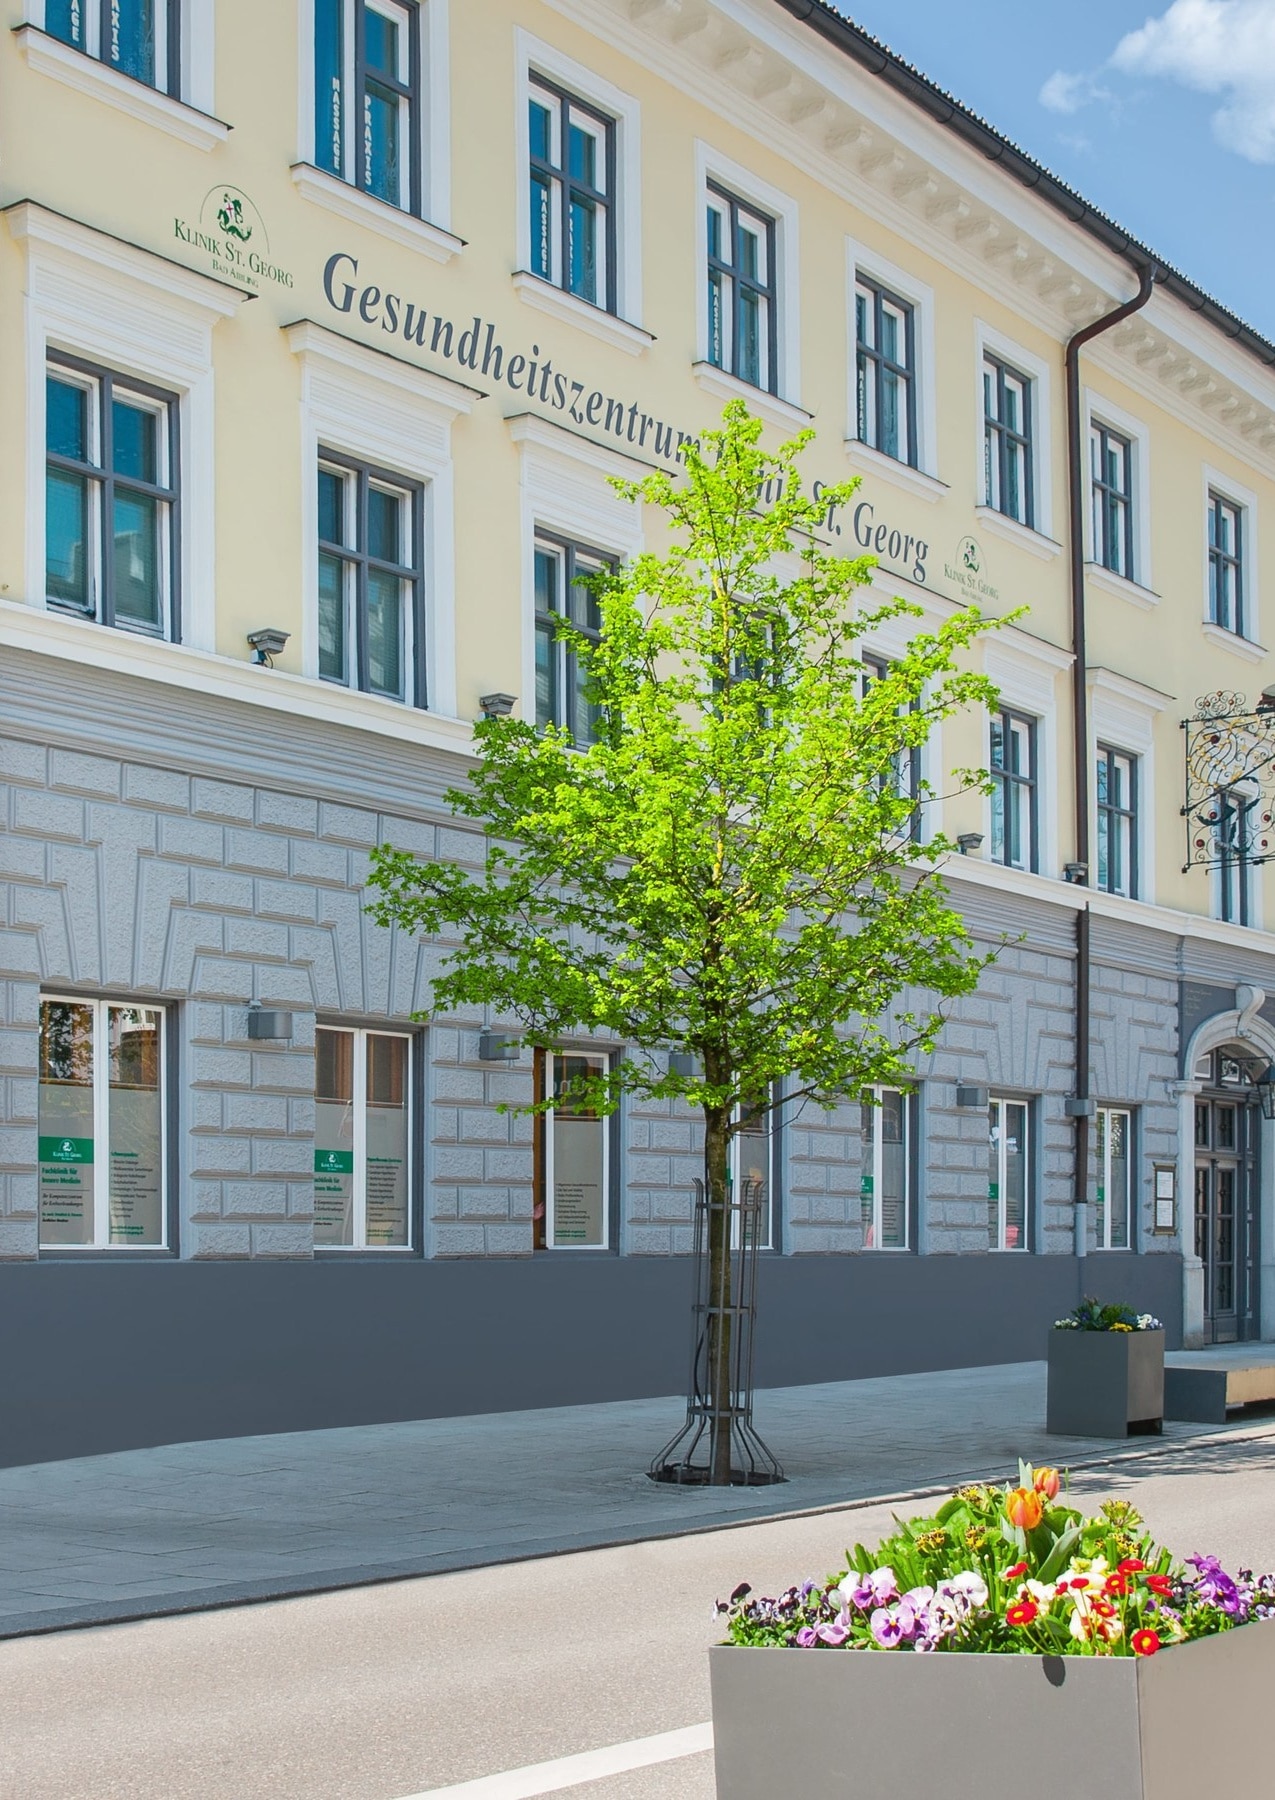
(414, 339)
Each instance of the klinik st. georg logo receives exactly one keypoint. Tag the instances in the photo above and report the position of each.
(232, 234)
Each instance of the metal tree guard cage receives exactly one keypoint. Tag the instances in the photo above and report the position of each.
(686, 1460)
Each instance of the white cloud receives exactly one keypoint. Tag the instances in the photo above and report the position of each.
(1222, 47)
(1064, 93)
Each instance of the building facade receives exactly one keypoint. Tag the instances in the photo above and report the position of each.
(314, 365)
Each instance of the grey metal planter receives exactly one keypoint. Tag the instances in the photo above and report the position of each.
(896, 1725)
(1105, 1383)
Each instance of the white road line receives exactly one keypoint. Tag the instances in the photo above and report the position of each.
(574, 1771)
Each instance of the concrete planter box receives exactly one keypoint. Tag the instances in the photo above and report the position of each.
(894, 1725)
(1105, 1383)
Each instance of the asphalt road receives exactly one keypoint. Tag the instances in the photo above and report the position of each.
(386, 1692)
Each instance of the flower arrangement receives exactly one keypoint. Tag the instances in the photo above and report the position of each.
(1004, 1571)
(1090, 1315)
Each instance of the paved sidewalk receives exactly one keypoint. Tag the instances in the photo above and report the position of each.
(211, 1524)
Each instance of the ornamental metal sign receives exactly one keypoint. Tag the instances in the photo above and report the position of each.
(1230, 782)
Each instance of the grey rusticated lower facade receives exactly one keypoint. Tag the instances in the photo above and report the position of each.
(174, 848)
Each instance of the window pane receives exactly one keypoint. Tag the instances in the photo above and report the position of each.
(750, 338)
(135, 535)
(750, 1167)
(994, 1175)
(66, 538)
(65, 19)
(66, 419)
(66, 1123)
(130, 46)
(1118, 1198)
(894, 1217)
(716, 316)
(328, 84)
(331, 507)
(541, 229)
(547, 650)
(387, 1141)
(136, 1192)
(384, 526)
(381, 133)
(579, 1160)
(381, 42)
(334, 1137)
(1015, 1177)
(386, 615)
(890, 438)
(332, 613)
(582, 250)
(582, 156)
(541, 128)
(135, 435)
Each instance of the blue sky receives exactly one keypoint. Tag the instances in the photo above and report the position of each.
(1161, 112)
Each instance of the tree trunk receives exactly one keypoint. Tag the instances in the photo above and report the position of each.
(717, 1190)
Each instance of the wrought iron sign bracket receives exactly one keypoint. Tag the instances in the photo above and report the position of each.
(1230, 782)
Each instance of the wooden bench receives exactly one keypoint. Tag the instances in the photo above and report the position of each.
(1205, 1392)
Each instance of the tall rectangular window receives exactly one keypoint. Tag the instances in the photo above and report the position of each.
(1007, 1174)
(573, 175)
(743, 324)
(1226, 564)
(1232, 824)
(907, 764)
(367, 96)
(362, 1140)
(140, 38)
(885, 362)
(885, 1179)
(1008, 476)
(573, 1156)
(371, 601)
(1014, 790)
(1112, 1133)
(111, 498)
(563, 571)
(1117, 785)
(102, 1126)
(1111, 469)
(752, 1167)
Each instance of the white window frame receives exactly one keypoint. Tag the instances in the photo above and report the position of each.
(1000, 1247)
(397, 417)
(533, 56)
(602, 1059)
(102, 1244)
(770, 1126)
(188, 116)
(430, 229)
(1251, 875)
(358, 1103)
(908, 1098)
(95, 297)
(862, 261)
(1214, 481)
(1103, 1177)
(711, 166)
(1038, 538)
(1122, 713)
(1026, 671)
(1098, 410)
(564, 492)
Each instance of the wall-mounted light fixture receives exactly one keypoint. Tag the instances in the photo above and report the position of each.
(266, 1025)
(267, 644)
(968, 1095)
(499, 1047)
(1077, 873)
(968, 842)
(1077, 1107)
(682, 1063)
(498, 706)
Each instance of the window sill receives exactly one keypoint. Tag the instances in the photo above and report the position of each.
(49, 56)
(929, 487)
(767, 406)
(1015, 532)
(1121, 586)
(1242, 647)
(365, 209)
(573, 311)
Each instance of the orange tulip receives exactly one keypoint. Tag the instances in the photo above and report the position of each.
(1024, 1508)
(1047, 1482)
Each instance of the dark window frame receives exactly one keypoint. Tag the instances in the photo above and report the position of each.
(565, 669)
(560, 182)
(1235, 865)
(357, 556)
(733, 274)
(101, 605)
(1222, 561)
(168, 81)
(1109, 816)
(352, 14)
(1110, 501)
(1000, 440)
(872, 363)
(1011, 780)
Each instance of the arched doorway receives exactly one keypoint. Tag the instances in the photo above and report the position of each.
(1226, 1192)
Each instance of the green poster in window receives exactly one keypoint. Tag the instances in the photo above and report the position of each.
(66, 1149)
(993, 1190)
(865, 1186)
(333, 1174)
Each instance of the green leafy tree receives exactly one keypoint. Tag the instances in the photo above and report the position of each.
(730, 869)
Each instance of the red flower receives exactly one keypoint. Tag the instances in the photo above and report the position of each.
(1019, 1568)
(1104, 1609)
(1145, 1643)
(1022, 1612)
(1160, 1584)
(1116, 1584)
(1131, 1566)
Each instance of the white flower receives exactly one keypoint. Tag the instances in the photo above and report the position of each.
(971, 1585)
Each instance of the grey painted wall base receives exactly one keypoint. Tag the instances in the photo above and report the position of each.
(119, 1355)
